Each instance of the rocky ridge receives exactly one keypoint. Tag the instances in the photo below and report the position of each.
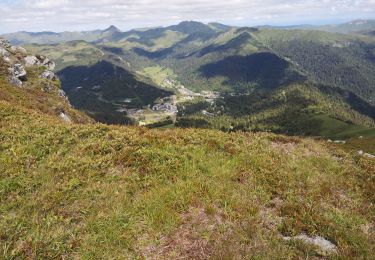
(27, 71)
(17, 60)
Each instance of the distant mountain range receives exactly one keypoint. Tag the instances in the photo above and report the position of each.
(352, 27)
(298, 80)
(113, 33)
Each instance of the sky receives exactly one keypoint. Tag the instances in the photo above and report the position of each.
(78, 15)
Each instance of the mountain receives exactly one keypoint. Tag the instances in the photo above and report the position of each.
(79, 189)
(361, 26)
(356, 26)
(195, 72)
(53, 38)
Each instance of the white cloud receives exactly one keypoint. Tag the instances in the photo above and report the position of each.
(58, 15)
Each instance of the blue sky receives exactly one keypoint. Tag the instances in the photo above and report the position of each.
(71, 15)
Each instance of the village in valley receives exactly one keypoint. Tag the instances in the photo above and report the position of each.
(167, 108)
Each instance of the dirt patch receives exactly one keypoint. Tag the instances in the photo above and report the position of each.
(194, 238)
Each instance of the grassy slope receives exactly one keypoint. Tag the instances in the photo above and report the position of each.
(38, 94)
(96, 191)
(330, 127)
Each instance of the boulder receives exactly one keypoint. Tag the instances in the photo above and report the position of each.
(18, 49)
(47, 63)
(31, 61)
(18, 71)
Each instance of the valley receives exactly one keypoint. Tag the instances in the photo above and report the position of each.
(220, 77)
(189, 141)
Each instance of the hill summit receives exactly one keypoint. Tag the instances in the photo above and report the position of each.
(112, 29)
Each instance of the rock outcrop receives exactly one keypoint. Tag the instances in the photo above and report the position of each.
(18, 60)
(20, 67)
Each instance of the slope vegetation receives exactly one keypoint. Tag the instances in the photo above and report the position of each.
(72, 190)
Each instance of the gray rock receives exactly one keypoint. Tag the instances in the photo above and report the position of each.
(324, 246)
(4, 52)
(19, 49)
(15, 81)
(4, 43)
(49, 64)
(61, 93)
(18, 71)
(31, 61)
(65, 117)
(48, 75)
(369, 155)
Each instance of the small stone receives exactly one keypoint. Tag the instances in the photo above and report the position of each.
(65, 117)
(324, 246)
